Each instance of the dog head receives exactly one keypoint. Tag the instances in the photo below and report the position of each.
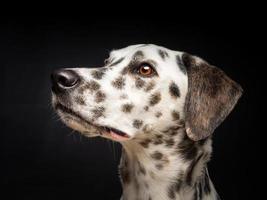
(144, 88)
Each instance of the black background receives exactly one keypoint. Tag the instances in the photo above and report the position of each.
(42, 159)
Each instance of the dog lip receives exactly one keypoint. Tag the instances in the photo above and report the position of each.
(116, 131)
(108, 130)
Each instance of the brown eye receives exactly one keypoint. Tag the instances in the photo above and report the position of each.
(146, 69)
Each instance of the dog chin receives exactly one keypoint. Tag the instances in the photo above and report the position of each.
(78, 125)
(75, 121)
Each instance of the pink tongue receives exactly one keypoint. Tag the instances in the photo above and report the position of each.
(117, 137)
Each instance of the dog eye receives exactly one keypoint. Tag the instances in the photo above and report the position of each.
(146, 69)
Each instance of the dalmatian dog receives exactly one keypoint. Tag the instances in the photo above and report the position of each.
(162, 106)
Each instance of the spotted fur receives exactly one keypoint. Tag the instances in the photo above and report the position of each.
(168, 118)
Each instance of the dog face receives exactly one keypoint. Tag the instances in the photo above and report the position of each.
(143, 88)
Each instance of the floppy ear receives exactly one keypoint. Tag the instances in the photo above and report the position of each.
(211, 97)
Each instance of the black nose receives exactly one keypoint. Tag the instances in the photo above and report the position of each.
(63, 79)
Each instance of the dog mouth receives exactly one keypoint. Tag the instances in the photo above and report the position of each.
(104, 131)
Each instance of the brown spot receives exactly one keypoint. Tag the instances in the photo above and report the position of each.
(118, 83)
(158, 114)
(137, 123)
(100, 96)
(173, 130)
(146, 108)
(155, 98)
(145, 143)
(159, 136)
(125, 70)
(159, 166)
(80, 100)
(127, 108)
(139, 83)
(97, 74)
(174, 90)
(157, 155)
(125, 175)
(175, 115)
(98, 112)
(150, 86)
(91, 85)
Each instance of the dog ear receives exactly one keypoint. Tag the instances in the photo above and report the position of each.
(211, 97)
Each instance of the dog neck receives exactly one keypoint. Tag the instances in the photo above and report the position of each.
(166, 165)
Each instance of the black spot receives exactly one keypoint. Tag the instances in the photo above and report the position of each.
(145, 143)
(97, 74)
(157, 141)
(171, 193)
(163, 54)
(80, 100)
(158, 114)
(170, 142)
(178, 185)
(100, 96)
(157, 155)
(180, 64)
(119, 82)
(127, 108)
(175, 115)
(137, 123)
(172, 130)
(187, 148)
(155, 98)
(150, 86)
(174, 90)
(116, 62)
(138, 55)
(98, 112)
(139, 83)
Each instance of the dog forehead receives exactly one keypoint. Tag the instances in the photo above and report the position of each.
(147, 49)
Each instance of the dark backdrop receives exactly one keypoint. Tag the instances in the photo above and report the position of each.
(42, 159)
